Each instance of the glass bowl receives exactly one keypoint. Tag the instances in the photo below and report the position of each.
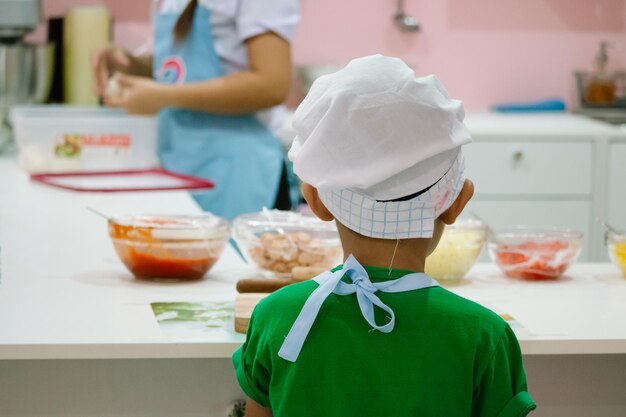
(457, 251)
(278, 241)
(169, 247)
(535, 254)
(616, 245)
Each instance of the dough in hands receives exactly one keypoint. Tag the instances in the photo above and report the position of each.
(113, 88)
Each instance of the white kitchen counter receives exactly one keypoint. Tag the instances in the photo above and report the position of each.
(539, 125)
(63, 291)
(65, 295)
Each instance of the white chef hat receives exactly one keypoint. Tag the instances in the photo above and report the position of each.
(382, 146)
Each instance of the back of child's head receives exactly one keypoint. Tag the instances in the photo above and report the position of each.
(382, 147)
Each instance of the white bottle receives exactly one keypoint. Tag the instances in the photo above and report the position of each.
(86, 29)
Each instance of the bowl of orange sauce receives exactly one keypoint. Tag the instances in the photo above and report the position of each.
(169, 247)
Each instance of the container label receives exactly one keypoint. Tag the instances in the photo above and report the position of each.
(71, 145)
(115, 140)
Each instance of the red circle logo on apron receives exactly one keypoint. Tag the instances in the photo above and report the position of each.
(172, 70)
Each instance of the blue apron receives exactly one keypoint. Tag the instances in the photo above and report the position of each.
(237, 153)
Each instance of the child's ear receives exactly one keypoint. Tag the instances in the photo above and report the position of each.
(317, 207)
(449, 216)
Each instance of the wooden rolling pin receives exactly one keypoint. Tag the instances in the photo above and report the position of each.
(267, 285)
(261, 285)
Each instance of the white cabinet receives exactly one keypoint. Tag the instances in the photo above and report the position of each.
(536, 184)
(616, 207)
(541, 171)
(530, 168)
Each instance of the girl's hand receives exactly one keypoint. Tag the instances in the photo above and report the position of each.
(106, 61)
(138, 95)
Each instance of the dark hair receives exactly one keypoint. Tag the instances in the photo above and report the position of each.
(185, 20)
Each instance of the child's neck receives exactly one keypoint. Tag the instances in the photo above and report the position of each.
(409, 254)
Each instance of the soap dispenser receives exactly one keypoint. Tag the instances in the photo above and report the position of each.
(601, 86)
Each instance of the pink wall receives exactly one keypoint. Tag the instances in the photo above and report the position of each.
(485, 51)
(131, 18)
(123, 10)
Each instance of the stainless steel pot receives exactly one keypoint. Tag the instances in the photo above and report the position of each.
(25, 77)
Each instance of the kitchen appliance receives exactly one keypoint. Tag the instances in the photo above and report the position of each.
(603, 100)
(25, 69)
(602, 92)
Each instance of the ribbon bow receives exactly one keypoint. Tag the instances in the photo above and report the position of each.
(365, 290)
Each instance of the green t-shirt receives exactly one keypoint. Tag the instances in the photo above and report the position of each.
(446, 356)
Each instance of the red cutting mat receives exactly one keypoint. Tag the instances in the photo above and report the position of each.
(156, 179)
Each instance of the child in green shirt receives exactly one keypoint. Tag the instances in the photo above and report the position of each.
(379, 152)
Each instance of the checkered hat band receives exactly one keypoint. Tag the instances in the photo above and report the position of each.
(408, 219)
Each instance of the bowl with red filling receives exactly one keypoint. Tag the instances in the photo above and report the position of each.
(535, 254)
(169, 247)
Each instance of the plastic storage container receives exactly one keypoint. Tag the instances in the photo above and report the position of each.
(169, 247)
(278, 241)
(457, 251)
(72, 139)
(535, 254)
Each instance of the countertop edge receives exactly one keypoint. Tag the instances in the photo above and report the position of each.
(208, 350)
(131, 350)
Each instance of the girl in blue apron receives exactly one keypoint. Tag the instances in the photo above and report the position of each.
(219, 71)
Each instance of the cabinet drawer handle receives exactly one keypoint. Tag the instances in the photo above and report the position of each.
(518, 155)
